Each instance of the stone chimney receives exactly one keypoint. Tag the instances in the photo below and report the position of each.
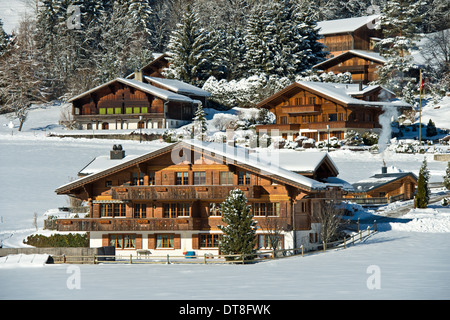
(384, 168)
(117, 153)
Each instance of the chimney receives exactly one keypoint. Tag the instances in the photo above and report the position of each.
(138, 75)
(384, 168)
(117, 153)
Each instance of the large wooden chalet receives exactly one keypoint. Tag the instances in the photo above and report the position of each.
(167, 200)
(143, 100)
(342, 35)
(318, 110)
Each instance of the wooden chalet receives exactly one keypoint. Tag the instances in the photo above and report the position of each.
(362, 65)
(341, 35)
(167, 200)
(317, 110)
(135, 103)
(142, 100)
(384, 188)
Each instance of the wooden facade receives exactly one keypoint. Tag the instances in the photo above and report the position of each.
(342, 35)
(131, 104)
(384, 188)
(164, 203)
(362, 65)
(308, 109)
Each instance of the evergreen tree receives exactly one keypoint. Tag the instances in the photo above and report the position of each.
(281, 40)
(4, 38)
(190, 51)
(398, 23)
(431, 129)
(446, 181)
(239, 233)
(423, 191)
(199, 119)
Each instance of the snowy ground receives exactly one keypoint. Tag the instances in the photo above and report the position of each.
(407, 259)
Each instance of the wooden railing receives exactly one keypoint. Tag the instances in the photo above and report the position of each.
(180, 192)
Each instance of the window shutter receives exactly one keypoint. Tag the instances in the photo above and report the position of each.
(195, 242)
(138, 241)
(152, 241)
(177, 241)
(105, 240)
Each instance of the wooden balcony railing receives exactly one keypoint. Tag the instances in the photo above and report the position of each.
(212, 192)
(129, 224)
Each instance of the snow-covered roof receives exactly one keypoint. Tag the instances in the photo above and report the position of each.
(267, 165)
(374, 56)
(158, 92)
(228, 154)
(379, 180)
(101, 163)
(300, 162)
(345, 25)
(178, 86)
(343, 93)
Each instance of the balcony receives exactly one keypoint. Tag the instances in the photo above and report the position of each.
(200, 192)
(104, 117)
(302, 109)
(342, 124)
(129, 224)
(280, 127)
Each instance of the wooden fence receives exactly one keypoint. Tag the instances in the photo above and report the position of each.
(219, 258)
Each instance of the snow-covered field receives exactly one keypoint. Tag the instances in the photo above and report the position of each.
(407, 259)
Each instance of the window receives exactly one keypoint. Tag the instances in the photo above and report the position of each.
(137, 179)
(209, 240)
(140, 210)
(123, 241)
(199, 177)
(312, 100)
(112, 210)
(214, 210)
(243, 177)
(271, 209)
(165, 241)
(298, 101)
(268, 241)
(283, 120)
(182, 178)
(117, 110)
(226, 177)
(173, 210)
(151, 178)
(332, 117)
(102, 111)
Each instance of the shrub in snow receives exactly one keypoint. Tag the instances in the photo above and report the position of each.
(444, 202)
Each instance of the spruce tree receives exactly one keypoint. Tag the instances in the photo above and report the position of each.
(398, 22)
(189, 51)
(423, 191)
(281, 40)
(446, 181)
(239, 234)
(431, 129)
(199, 119)
(4, 38)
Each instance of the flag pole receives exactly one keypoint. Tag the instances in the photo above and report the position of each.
(420, 109)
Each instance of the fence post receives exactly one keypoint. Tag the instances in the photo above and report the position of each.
(324, 249)
(168, 259)
(205, 257)
(360, 235)
(345, 247)
(375, 225)
(302, 250)
(94, 259)
(131, 258)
